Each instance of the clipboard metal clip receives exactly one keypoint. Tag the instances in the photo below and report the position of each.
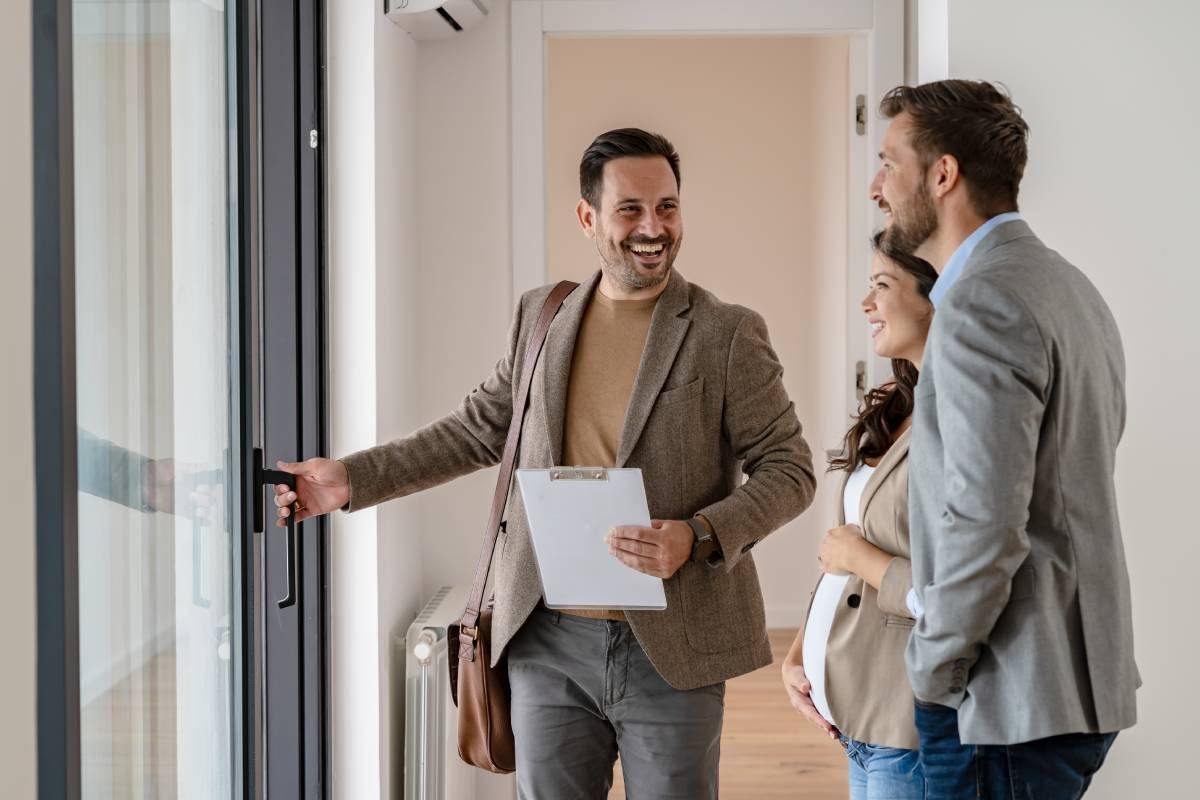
(579, 474)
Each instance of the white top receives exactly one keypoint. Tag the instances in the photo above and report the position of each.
(826, 599)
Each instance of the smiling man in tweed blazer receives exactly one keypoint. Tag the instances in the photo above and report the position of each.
(640, 369)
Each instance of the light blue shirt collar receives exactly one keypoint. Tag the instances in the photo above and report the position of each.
(954, 266)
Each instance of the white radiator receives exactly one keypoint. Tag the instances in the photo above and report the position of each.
(432, 768)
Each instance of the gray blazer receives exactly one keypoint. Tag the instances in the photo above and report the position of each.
(708, 407)
(1016, 545)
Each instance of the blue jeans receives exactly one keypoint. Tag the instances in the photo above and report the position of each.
(1056, 768)
(883, 773)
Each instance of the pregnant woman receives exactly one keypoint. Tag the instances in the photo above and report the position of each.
(845, 671)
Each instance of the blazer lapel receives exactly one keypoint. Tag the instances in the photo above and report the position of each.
(891, 459)
(555, 364)
(667, 329)
(841, 496)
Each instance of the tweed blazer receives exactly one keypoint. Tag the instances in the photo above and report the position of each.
(865, 682)
(1018, 561)
(707, 408)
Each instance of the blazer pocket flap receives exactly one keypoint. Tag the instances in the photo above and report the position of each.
(681, 393)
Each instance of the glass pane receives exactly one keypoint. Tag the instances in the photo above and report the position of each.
(154, 398)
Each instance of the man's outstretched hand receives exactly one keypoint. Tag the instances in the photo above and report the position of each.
(322, 485)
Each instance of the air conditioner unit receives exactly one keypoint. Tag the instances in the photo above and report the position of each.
(432, 768)
(436, 19)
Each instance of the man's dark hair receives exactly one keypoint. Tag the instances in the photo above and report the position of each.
(978, 124)
(620, 143)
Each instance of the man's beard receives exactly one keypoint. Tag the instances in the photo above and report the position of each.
(913, 223)
(622, 268)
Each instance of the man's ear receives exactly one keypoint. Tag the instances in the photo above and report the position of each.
(587, 217)
(945, 175)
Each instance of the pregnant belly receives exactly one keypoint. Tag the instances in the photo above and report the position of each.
(816, 637)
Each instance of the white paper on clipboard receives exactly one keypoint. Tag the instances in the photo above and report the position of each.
(570, 510)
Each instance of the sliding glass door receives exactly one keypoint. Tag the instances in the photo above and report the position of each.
(157, 399)
(177, 174)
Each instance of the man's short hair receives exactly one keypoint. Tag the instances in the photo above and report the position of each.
(978, 124)
(620, 143)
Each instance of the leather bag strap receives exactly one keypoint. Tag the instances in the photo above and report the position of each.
(512, 446)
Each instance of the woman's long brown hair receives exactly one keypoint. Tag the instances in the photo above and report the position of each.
(885, 408)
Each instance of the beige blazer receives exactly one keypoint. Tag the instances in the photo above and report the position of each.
(865, 682)
(708, 408)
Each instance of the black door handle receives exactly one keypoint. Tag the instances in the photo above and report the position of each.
(292, 542)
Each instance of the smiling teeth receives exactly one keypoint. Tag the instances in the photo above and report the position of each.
(646, 248)
(876, 326)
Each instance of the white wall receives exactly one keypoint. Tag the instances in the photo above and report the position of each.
(464, 277)
(1109, 92)
(376, 554)
(18, 623)
(419, 286)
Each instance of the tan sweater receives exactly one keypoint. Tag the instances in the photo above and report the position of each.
(604, 366)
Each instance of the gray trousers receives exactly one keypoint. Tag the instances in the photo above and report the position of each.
(583, 691)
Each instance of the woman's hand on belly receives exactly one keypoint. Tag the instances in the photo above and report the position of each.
(837, 552)
(798, 689)
(845, 551)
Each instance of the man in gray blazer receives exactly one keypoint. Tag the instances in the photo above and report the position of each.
(640, 369)
(1022, 657)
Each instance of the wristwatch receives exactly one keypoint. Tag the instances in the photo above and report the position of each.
(705, 549)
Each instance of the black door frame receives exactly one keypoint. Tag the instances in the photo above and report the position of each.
(294, 388)
(55, 439)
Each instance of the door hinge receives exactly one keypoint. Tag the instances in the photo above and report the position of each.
(312, 139)
(860, 115)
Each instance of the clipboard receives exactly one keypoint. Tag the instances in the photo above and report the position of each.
(569, 511)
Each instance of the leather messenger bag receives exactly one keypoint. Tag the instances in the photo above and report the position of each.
(485, 737)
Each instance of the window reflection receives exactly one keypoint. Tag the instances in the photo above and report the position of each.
(153, 397)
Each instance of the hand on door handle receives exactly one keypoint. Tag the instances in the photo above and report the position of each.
(291, 545)
(319, 485)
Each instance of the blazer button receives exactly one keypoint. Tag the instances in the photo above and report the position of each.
(853, 601)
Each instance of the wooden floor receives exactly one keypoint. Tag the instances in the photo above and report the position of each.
(768, 752)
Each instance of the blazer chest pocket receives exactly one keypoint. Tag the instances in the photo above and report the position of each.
(681, 394)
(893, 621)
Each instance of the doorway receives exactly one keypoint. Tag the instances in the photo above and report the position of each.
(762, 126)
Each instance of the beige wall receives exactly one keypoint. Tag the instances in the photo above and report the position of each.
(18, 622)
(761, 125)
(1109, 92)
